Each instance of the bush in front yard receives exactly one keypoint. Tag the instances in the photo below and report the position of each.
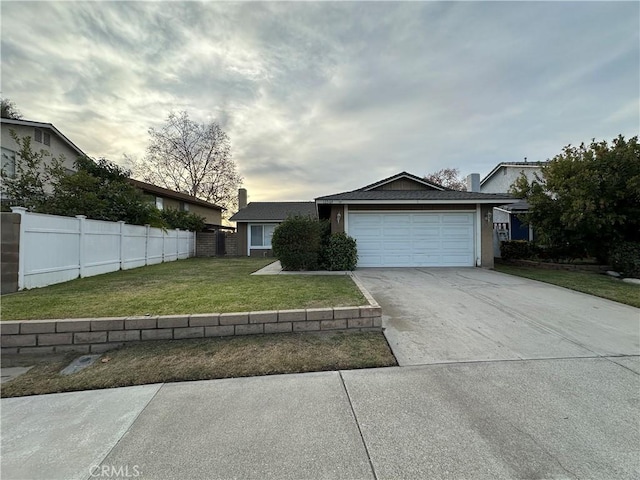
(340, 252)
(296, 243)
(625, 258)
(517, 249)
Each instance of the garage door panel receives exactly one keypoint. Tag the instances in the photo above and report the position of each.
(426, 246)
(414, 239)
(403, 232)
(449, 218)
(430, 219)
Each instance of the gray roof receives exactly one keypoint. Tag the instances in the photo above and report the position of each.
(519, 206)
(441, 195)
(274, 211)
(414, 195)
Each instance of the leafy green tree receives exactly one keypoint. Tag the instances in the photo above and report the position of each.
(8, 109)
(174, 218)
(587, 198)
(100, 190)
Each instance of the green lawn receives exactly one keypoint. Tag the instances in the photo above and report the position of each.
(195, 285)
(202, 359)
(586, 282)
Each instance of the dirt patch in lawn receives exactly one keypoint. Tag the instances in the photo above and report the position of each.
(203, 359)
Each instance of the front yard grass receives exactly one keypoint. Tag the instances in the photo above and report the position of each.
(195, 285)
(203, 359)
(586, 282)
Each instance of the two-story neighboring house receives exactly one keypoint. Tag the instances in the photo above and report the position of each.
(505, 217)
(44, 136)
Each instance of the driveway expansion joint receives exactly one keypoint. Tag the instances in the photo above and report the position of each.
(355, 418)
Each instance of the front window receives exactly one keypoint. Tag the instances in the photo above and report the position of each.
(9, 162)
(261, 235)
(159, 203)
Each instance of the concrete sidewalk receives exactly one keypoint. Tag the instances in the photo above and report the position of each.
(560, 418)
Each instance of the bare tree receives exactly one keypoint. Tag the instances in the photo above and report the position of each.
(9, 109)
(449, 178)
(193, 158)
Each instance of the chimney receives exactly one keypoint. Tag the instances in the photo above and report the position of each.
(473, 182)
(242, 198)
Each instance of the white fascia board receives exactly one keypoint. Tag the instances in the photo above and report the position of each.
(502, 209)
(418, 202)
(258, 221)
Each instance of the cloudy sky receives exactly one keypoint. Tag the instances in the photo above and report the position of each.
(320, 98)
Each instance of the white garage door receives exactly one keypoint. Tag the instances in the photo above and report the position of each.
(434, 239)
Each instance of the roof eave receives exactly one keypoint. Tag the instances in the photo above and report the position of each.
(495, 201)
(256, 220)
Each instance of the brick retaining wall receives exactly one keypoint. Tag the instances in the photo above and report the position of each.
(98, 335)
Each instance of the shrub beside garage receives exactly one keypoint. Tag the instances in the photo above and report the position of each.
(305, 243)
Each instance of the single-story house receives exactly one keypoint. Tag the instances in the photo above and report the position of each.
(256, 222)
(165, 198)
(400, 221)
(407, 221)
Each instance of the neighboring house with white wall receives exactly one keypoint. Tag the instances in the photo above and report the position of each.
(503, 175)
(505, 217)
(44, 136)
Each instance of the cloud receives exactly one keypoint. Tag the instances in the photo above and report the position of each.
(320, 97)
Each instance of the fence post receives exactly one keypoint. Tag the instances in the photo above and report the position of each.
(146, 243)
(177, 243)
(22, 211)
(121, 222)
(81, 226)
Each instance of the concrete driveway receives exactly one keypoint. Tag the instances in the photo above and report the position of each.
(441, 315)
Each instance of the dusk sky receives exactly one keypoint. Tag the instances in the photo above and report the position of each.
(319, 98)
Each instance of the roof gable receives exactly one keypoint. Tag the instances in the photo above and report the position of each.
(49, 126)
(402, 181)
(518, 165)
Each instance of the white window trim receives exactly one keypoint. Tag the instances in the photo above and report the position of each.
(255, 224)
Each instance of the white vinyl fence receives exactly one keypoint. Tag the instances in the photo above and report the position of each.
(55, 249)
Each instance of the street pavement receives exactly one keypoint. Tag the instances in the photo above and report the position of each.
(484, 406)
